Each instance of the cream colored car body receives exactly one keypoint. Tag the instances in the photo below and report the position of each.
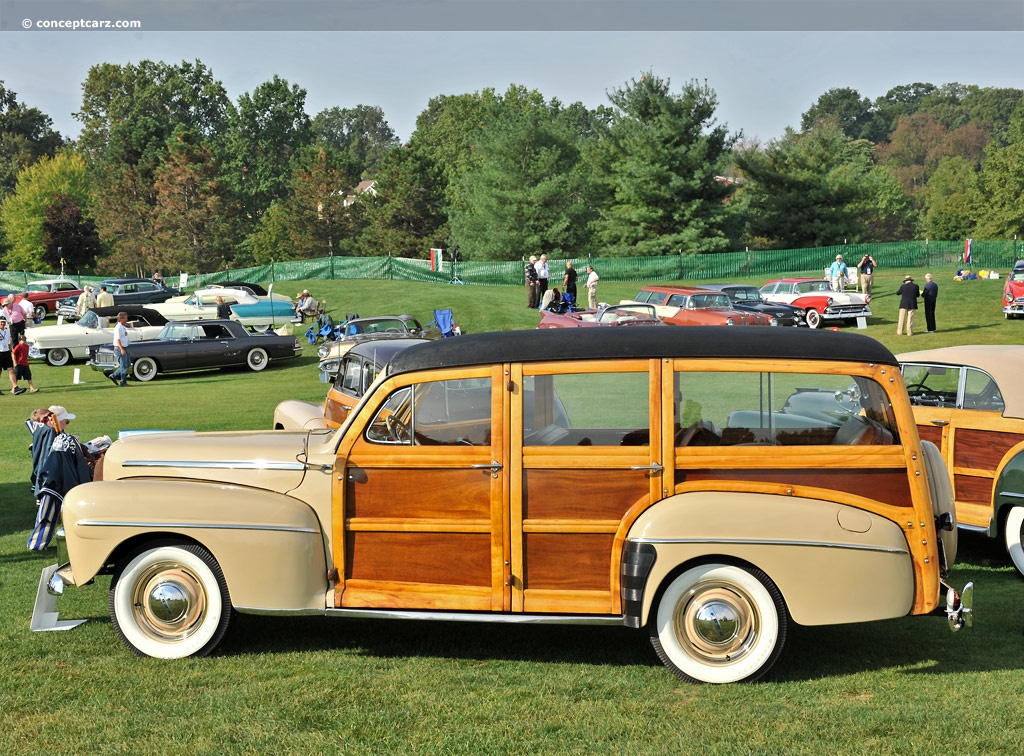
(516, 521)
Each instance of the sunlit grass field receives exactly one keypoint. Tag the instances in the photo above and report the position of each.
(310, 685)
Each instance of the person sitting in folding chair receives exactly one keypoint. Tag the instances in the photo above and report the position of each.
(445, 322)
(306, 306)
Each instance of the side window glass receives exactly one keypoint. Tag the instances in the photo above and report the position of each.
(780, 409)
(351, 380)
(932, 385)
(586, 409)
(436, 413)
(981, 392)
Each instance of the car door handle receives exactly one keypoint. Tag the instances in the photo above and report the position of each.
(940, 422)
(653, 468)
(495, 467)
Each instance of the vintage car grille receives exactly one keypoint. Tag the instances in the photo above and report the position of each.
(104, 358)
(847, 311)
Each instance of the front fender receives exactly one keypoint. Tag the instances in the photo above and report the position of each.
(270, 546)
(832, 562)
(293, 414)
(1008, 488)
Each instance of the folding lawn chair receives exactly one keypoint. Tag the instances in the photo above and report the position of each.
(445, 322)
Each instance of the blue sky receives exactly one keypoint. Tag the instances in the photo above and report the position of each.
(764, 80)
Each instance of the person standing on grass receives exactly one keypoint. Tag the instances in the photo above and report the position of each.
(541, 266)
(592, 279)
(867, 266)
(569, 282)
(908, 294)
(530, 270)
(929, 295)
(119, 376)
(22, 370)
(7, 356)
(837, 274)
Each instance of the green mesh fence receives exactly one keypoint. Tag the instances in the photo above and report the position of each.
(723, 266)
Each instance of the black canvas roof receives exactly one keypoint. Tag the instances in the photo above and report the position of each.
(134, 311)
(641, 342)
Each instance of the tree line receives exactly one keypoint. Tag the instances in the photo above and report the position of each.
(168, 173)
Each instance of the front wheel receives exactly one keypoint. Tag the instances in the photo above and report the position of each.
(170, 601)
(813, 319)
(1013, 533)
(716, 623)
(58, 357)
(257, 359)
(145, 369)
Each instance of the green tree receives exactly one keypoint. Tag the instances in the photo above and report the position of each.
(70, 239)
(808, 190)
(528, 195)
(271, 241)
(26, 135)
(266, 130)
(23, 212)
(663, 157)
(949, 200)
(846, 106)
(319, 221)
(362, 133)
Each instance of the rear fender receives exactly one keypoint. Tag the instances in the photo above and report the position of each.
(1008, 488)
(832, 562)
(270, 546)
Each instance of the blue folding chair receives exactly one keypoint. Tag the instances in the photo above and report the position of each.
(445, 322)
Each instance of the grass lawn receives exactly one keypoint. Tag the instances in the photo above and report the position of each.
(310, 685)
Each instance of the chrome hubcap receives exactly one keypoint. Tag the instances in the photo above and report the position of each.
(169, 602)
(716, 624)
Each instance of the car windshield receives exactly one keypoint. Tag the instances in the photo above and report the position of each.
(808, 286)
(746, 296)
(92, 320)
(37, 287)
(704, 301)
(179, 332)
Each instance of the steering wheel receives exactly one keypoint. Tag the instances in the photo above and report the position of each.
(397, 430)
(698, 434)
(924, 391)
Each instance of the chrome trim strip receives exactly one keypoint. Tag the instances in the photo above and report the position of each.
(497, 617)
(771, 542)
(972, 528)
(196, 465)
(196, 525)
(1011, 494)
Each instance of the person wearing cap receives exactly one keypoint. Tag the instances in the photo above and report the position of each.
(867, 266)
(7, 355)
(64, 467)
(306, 306)
(532, 283)
(837, 274)
(908, 294)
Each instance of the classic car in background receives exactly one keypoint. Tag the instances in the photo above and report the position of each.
(684, 305)
(609, 315)
(46, 295)
(59, 344)
(137, 291)
(199, 345)
(249, 309)
(357, 330)
(620, 477)
(1013, 292)
(748, 298)
(359, 366)
(969, 401)
(819, 303)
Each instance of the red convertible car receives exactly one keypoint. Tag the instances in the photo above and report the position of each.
(1013, 292)
(612, 315)
(816, 298)
(684, 305)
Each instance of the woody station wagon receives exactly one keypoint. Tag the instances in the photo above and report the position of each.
(708, 486)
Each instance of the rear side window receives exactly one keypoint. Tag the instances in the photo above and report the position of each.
(781, 409)
(587, 409)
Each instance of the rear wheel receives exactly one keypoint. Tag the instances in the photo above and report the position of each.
(58, 357)
(39, 312)
(257, 359)
(145, 369)
(716, 623)
(170, 601)
(813, 319)
(1013, 533)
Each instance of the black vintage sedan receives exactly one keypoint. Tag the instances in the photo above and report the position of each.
(138, 291)
(749, 298)
(199, 345)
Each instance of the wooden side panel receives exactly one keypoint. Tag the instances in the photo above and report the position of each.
(576, 494)
(929, 432)
(982, 449)
(972, 489)
(393, 492)
(578, 561)
(888, 486)
(440, 558)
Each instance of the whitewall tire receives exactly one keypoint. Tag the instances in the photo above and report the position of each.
(1013, 533)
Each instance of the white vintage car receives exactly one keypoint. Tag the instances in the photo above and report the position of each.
(59, 344)
(247, 307)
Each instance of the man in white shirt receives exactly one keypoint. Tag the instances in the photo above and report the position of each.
(592, 279)
(541, 266)
(120, 376)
